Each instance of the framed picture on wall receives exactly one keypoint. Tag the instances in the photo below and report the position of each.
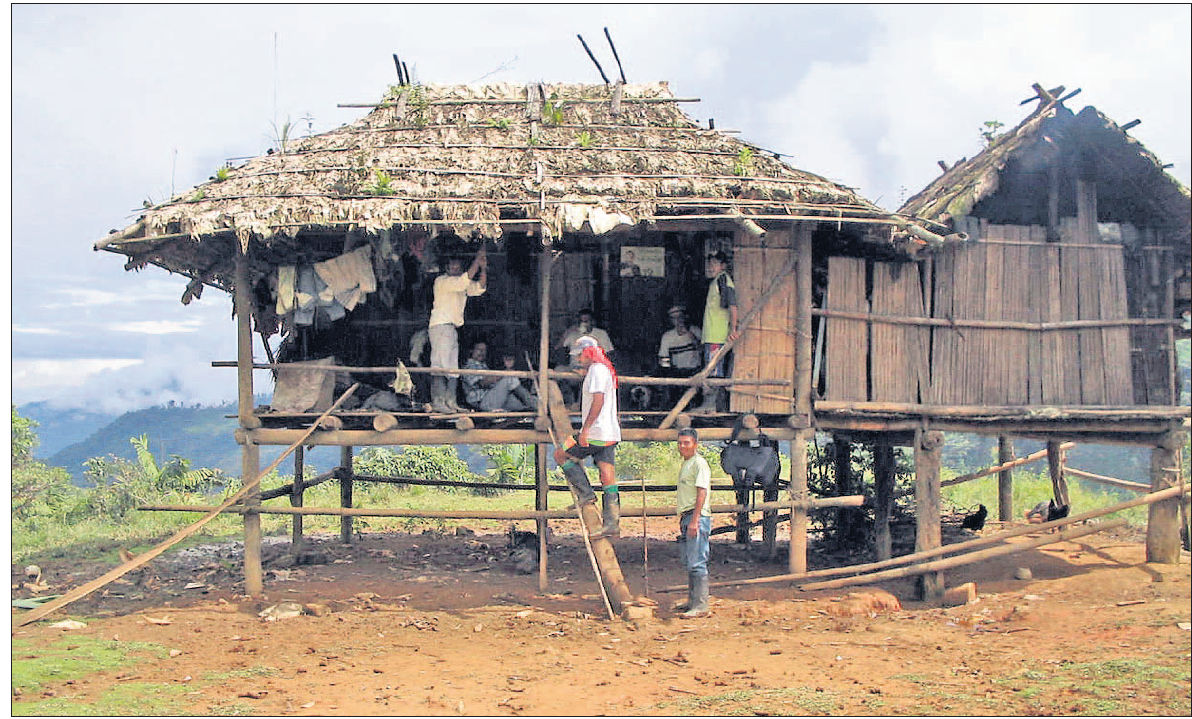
(641, 261)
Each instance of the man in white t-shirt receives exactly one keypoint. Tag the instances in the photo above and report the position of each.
(452, 291)
(598, 435)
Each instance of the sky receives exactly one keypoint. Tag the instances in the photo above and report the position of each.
(115, 104)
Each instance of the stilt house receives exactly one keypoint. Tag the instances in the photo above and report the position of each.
(855, 320)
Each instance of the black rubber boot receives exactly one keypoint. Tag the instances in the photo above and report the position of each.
(577, 478)
(698, 596)
(611, 513)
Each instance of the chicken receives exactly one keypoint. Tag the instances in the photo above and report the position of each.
(976, 520)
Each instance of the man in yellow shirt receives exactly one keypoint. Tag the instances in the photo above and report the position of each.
(695, 521)
(720, 323)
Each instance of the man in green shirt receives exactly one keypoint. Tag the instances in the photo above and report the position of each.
(720, 323)
(695, 521)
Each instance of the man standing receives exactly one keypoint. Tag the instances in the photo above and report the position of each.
(598, 435)
(452, 291)
(695, 522)
(679, 351)
(720, 323)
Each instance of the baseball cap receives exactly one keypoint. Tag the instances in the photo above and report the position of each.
(583, 343)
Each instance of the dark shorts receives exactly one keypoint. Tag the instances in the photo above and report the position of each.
(605, 453)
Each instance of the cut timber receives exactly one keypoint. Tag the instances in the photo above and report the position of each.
(951, 562)
(961, 595)
(384, 422)
(144, 558)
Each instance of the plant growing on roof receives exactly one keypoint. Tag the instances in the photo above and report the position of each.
(585, 139)
(500, 123)
(281, 135)
(221, 174)
(989, 134)
(198, 196)
(552, 110)
(744, 163)
(382, 184)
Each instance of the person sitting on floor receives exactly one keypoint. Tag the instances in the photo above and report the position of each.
(494, 394)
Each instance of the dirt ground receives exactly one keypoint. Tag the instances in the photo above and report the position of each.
(436, 624)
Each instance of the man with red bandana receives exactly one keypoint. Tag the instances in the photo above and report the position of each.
(598, 435)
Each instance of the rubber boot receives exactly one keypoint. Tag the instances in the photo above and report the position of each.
(611, 513)
(685, 604)
(698, 596)
(438, 395)
(451, 394)
(577, 478)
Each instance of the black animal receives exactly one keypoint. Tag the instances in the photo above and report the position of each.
(976, 520)
(750, 462)
(1056, 511)
(523, 550)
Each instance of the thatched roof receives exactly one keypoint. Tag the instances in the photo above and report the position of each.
(1128, 175)
(476, 160)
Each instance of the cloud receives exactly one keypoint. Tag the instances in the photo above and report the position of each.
(33, 377)
(21, 329)
(156, 327)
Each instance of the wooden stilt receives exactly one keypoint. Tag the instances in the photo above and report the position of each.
(1163, 519)
(541, 494)
(742, 518)
(797, 556)
(250, 456)
(1056, 457)
(1005, 479)
(927, 507)
(345, 493)
(843, 471)
(883, 478)
(298, 489)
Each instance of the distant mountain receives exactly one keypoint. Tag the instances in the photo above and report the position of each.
(202, 435)
(58, 428)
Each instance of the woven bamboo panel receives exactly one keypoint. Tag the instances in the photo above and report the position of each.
(766, 348)
(944, 341)
(846, 345)
(898, 353)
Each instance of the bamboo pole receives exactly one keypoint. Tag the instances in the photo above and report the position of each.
(345, 493)
(541, 504)
(821, 503)
(366, 438)
(1022, 412)
(297, 490)
(725, 348)
(995, 324)
(522, 374)
(1112, 481)
(960, 561)
(1033, 457)
(288, 489)
(144, 558)
(1170, 493)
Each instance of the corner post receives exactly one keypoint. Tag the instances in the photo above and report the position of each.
(250, 458)
(1163, 518)
(1056, 458)
(797, 557)
(927, 506)
(345, 493)
(1005, 479)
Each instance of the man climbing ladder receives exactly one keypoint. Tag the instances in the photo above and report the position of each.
(598, 435)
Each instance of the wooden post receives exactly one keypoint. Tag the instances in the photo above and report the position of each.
(544, 268)
(296, 499)
(797, 557)
(842, 460)
(1056, 457)
(883, 479)
(1005, 479)
(250, 457)
(742, 518)
(541, 493)
(1053, 203)
(1086, 211)
(345, 493)
(927, 506)
(1163, 518)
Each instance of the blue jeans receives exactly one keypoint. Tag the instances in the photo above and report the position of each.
(695, 551)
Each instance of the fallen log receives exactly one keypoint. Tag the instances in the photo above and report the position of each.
(991, 470)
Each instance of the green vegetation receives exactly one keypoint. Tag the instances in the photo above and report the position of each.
(221, 174)
(501, 123)
(1030, 488)
(552, 110)
(585, 139)
(791, 701)
(989, 131)
(281, 135)
(73, 657)
(743, 165)
(382, 184)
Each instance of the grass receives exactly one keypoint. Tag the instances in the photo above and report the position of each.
(1030, 488)
(125, 699)
(260, 670)
(793, 701)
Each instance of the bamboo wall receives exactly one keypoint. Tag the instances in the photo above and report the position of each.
(1011, 275)
(767, 349)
